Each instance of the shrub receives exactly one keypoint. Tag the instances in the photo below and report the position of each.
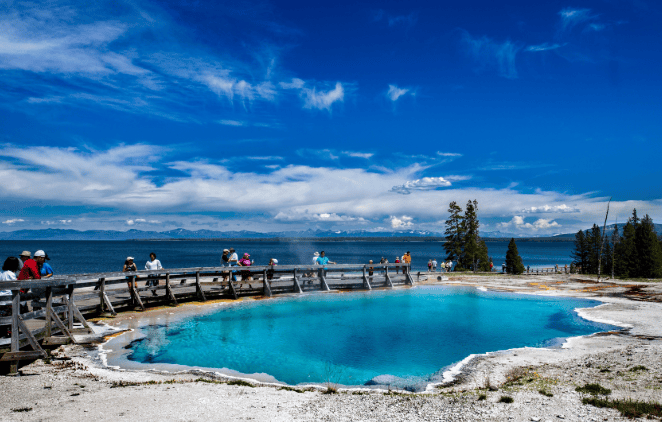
(594, 390)
(506, 399)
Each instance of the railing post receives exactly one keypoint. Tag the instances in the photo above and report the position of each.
(169, 289)
(388, 277)
(70, 307)
(265, 286)
(323, 284)
(15, 344)
(198, 287)
(297, 286)
(49, 306)
(102, 291)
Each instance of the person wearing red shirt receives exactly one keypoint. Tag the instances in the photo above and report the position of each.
(30, 270)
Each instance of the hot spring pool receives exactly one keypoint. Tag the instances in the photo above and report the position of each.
(403, 338)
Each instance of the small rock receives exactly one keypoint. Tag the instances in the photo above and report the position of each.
(494, 388)
(535, 419)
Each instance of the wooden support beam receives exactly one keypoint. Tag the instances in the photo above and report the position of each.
(134, 292)
(55, 341)
(409, 280)
(169, 290)
(31, 339)
(323, 283)
(296, 286)
(233, 290)
(388, 277)
(16, 356)
(49, 305)
(102, 293)
(15, 312)
(109, 305)
(198, 287)
(265, 284)
(58, 322)
(70, 307)
(366, 282)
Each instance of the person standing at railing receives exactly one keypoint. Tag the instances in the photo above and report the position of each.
(323, 260)
(397, 261)
(225, 262)
(406, 258)
(245, 275)
(153, 264)
(234, 261)
(24, 256)
(9, 269)
(434, 265)
(130, 266)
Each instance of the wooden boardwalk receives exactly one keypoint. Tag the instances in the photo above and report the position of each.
(52, 311)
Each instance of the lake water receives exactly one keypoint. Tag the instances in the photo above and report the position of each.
(70, 257)
(403, 338)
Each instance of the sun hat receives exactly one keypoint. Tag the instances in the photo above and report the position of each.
(316, 254)
(246, 254)
(40, 253)
(129, 258)
(226, 250)
(274, 260)
(25, 253)
(231, 250)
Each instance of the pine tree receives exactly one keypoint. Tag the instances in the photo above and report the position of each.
(626, 260)
(470, 225)
(513, 260)
(594, 242)
(615, 240)
(454, 233)
(483, 260)
(580, 253)
(648, 249)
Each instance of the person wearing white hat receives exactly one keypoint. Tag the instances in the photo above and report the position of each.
(30, 270)
(24, 256)
(130, 266)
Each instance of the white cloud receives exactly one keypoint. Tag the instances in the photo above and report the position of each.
(448, 154)
(232, 122)
(518, 223)
(426, 183)
(492, 55)
(394, 92)
(314, 98)
(366, 155)
(127, 179)
(13, 221)
(543, 47)
(571, 17)
(563, 208)
(65, 221)
(306, 216)
(400, 222)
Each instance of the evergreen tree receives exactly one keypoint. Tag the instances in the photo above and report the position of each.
(649, 254)
(483, 260)
(625, 261)
(454, 233)
(470, 225)
(580, 254)
(615, 240)
(513, 260)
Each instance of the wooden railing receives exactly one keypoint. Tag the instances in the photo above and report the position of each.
(58, 302)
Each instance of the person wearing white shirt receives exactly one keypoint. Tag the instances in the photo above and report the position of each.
(9, 273)
(153, 264)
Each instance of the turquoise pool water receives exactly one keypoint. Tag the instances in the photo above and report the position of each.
(404, 337)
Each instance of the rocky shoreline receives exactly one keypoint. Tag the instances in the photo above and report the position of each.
(542, 383)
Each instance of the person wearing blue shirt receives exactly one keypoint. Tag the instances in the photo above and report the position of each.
(46, 270)
(324, 260)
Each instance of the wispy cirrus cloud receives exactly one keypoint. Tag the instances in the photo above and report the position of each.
(120, 57)
(543, 47)
(394, 92)
(518, 223)
(571, 17)
(491, 55)
(425, 183)
(407, 20)
(563, 208)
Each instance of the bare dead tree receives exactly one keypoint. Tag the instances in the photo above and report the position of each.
(602, 245)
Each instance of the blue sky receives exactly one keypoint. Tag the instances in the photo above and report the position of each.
(274, 116)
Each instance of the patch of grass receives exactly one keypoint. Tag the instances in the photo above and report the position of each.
(506, 399)
(22, 409)
(515, 375)
(594, 390)
(603, 370)
(482, 397)
(638, 368)
(330, 390)
(395, 393)
(628, 408)
(359, 393)
(208, 381)
(118, 384)
(545, 393)
(241, 383)
(286, 388)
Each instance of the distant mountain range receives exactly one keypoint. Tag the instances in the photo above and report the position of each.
(180, 234)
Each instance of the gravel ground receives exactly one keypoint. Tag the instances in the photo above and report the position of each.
(76, 385)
